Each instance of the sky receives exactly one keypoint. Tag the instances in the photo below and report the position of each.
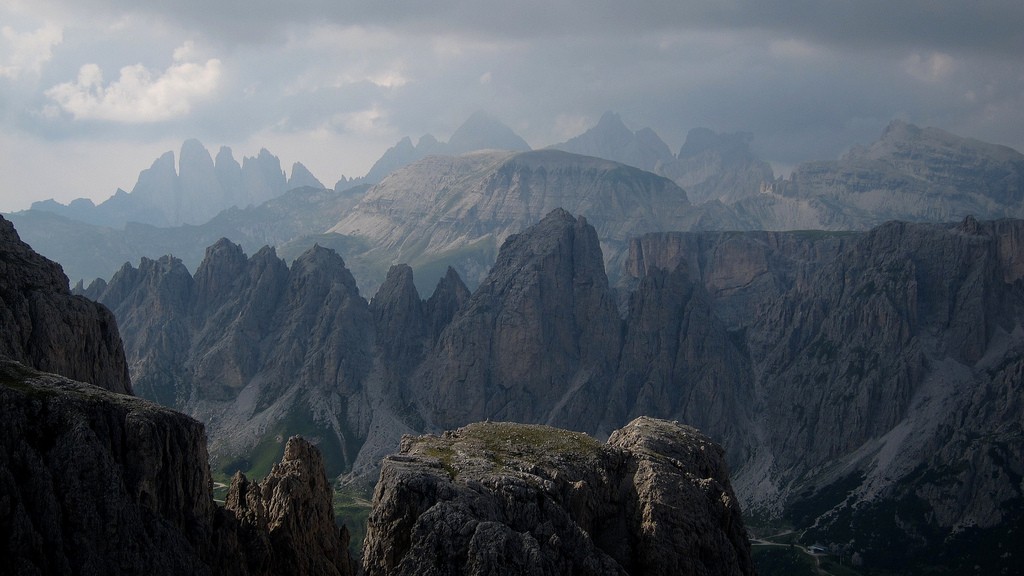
(93, 91)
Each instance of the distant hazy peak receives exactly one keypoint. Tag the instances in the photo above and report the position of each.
(301, 177)
(482, 131)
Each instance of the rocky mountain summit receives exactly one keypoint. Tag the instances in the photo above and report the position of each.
(480, 131)
(500, 498)
(709, 166)
(457, 211)
(96, 481)
(910, 173)
(846, 375)
(191, 191)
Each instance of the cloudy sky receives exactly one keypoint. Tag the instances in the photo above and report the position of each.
(92, 91)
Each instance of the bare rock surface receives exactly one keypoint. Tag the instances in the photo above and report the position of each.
(500, 498)
(286, 519)
(93, 482)
(42, 325)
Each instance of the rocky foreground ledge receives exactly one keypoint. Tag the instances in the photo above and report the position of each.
(98, 483)
(500, 498)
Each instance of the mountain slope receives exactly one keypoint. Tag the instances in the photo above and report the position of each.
(910, 173)
(96, 481)
(849, 376)
(456, 211)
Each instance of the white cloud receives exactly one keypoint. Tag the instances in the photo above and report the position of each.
(139, 95)
(27, 52)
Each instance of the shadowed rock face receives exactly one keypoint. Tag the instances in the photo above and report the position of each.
(287, 520)
(93, 481)
(539, 335)
(498, 498)
(42, 325)
(96, 482)
(842, 372)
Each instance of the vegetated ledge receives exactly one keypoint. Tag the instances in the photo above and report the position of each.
(503, 498)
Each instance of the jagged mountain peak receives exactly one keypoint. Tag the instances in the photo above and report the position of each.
(482, 131)
(302, 177)
(611, 139)
(398, 285)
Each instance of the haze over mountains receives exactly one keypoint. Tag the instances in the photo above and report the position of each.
(904, 175)
(849, 372)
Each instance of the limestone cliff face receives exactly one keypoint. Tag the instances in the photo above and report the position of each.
(539, 336)
(250, 343)
(94, 482)
(42, 325)
(880, 365)
(497, 498)
(849, 376)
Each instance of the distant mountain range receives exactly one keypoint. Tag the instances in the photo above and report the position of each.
(438, 204)
(192, 192)
(865, 385)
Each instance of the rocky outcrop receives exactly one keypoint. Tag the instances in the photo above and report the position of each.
(875, 359)
(248, 344)
(498, 498)
(43, 326)
(93, 482)
(844, 373)
(286, 520)
(96, 481)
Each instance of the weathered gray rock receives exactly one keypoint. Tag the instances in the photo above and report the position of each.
(449, 296)
(286, 519)
(42, 325)
(910, 173)
(247, 342)
(538, 338)
(498, 498)
(465, 207)
(93, 482)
